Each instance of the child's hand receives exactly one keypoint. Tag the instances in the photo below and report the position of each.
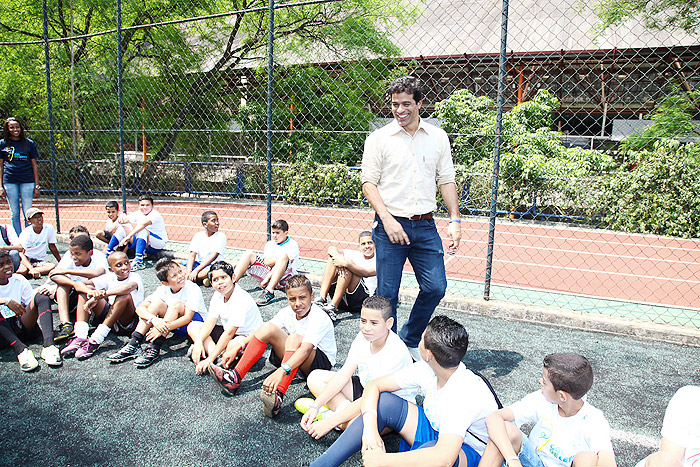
(202, 367)
(34, 273)
(192, 276)
(372, 457)
(372, 440)
(273, 380)
(308, 418)
(90, 303)
(320, 428)
(197, 352)
(229, 356)
(161, 325)
(13, 305)
(122, 219)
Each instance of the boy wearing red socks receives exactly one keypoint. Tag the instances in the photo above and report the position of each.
(302, 338)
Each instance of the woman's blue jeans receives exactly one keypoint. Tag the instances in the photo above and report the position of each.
(14, 192)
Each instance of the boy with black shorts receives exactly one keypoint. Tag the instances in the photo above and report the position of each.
(108, 301)
(350, 276)
(279, 262)
(568, 430)
(169, 309)
(302, 338)
(375, 352)
(450, 427)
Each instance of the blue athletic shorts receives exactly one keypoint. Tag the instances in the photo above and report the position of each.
(182, 331)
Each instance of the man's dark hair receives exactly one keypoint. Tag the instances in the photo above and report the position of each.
(221, 266)
(569, 372)
(408, 84)
(447, 340)
(163, 267)
(281, 225)
(84, 242)
(298, 281)
(112, 204)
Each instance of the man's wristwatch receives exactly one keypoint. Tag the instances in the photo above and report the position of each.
(286, 368)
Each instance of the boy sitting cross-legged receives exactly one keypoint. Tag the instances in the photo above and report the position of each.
(450, 427)
(237, 311)
(110, 301)
(278, 263)
(35, 239)
(375, 352)
(568, 430)
(169, 309)
(302, 338)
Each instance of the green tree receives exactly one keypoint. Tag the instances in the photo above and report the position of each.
(654, 14)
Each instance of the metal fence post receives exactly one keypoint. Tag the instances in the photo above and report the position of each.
(121, 102)
(497, 148)
(52, 149)
(270, 77)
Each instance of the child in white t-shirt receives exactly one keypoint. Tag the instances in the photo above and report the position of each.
(680, 432)
(450, 427)
(302, 338)
(35, 239)
(279, 262)
(10, 242)
(350, 276)
(112, 223)
(148, 233)
(234, 308)
(170, 308)
(567, 428)
(375, 352)
(205, 248)
(108, 301)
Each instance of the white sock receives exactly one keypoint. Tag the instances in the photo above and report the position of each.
(81, 329)
(100, 333)
(341, 406)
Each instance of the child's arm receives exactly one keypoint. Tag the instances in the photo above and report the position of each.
(82, 286)
(142, 225)
(207, 261)
(122, 289)
(496, 424)
(182, 320)
(13, 305)
(606, 459)
(54, 251)
(204, 332)
(354, 268)
(334, 386)
(218, 349)
(17, 247)
(86, 273)
(295, 361)
(190, 262)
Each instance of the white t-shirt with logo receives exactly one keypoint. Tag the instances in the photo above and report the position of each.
(190, 294)
(316, 328)
(110, 281)
(682, 423)
(289, 246)
(35, 244)
(97, 260)
(204, 245)
(390, 359)
(240, 311)
(157, 225)
(558, 439)
(17, 289)
(460, 405)
(368, 263)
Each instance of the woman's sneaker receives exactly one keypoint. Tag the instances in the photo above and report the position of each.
(27, 361)
(73, 345)
(87, 350)
(51, 356)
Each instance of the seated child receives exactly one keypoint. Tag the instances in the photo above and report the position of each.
(78, 265)
(450, 427)
(205, 248)
(112, 223)
(147, 235)
(568, 430)
(375, 352)
(169, 309)
(19, 313)
(302, 338)
(278, 263)
(108, 301)
(350, 277)
(10, 242)
(234, 308)
(35, 239)
(680, 432)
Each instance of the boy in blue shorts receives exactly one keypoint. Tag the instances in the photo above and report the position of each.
(302, 338)
(169, 309)
(111, 224)
(375, 352)
(450, 427)
(568, 430)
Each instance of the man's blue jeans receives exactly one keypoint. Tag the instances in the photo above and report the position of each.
(14, 191)
(426, 256)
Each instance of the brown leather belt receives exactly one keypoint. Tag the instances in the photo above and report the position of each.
(426, 216)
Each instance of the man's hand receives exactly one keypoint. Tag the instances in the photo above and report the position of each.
(454, 232)
(395, 232)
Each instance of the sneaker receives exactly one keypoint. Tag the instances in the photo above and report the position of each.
(265, 298)
(320, 301)
(73, 345)
(147, 357)
(87, 350)
(303, 404)
(27, 362)
(228, 380)
(272, 403)
(331, 311)
(65, 330)
(127, 352)
(415, 354)
(51, 356)
(138, 265)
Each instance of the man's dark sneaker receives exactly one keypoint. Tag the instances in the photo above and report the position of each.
(265, 298)
(127, 352)
(65, 330)
(272, 403)
(331, 311)
(228, 380)
(147, 357)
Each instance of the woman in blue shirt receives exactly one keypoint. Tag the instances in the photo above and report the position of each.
(18, 171)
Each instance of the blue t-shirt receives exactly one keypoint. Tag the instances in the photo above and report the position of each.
(16, 156)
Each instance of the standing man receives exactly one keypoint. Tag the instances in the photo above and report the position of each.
(402, 164)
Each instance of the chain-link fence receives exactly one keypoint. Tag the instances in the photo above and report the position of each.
(597, 208)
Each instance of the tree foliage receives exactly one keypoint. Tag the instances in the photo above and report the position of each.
(681, 15)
